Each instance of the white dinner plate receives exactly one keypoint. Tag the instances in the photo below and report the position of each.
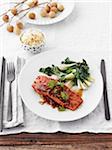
(68, 5)
(30, 71)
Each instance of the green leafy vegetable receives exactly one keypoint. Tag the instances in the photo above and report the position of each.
(50, 70)
(60, 84)
(71, 71)
(51, 84)
(47, 71)
(60, 108)
(67, 61)
(64, 96)
(62, 78)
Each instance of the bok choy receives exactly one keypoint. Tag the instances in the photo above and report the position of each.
(77, 72)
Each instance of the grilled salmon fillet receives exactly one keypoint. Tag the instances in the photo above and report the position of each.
(41, 87)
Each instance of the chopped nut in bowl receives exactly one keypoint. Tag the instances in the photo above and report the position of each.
(33, 40)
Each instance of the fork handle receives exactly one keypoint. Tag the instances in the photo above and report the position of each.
(9, 112)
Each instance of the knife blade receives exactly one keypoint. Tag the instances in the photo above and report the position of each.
(105, 94)
(2, 87)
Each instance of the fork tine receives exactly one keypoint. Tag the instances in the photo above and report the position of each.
(9, 68)
(13, 67)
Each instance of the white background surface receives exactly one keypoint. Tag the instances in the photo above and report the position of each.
(87, 30)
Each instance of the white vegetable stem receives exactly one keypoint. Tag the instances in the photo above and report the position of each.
(65, 66)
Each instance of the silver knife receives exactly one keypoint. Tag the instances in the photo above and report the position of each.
(105, 94)
(2, 87)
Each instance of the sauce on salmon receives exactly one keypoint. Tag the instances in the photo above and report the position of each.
(55, 94)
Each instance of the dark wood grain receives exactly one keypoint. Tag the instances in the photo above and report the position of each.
(55, 139)
(61, 147)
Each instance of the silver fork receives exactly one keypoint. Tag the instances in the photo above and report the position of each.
(10, 78)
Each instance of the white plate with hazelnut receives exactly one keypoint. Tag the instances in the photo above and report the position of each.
(50, 12)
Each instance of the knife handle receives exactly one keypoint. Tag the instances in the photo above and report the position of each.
(107, 111)
(2, 87)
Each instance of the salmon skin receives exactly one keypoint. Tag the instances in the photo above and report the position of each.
(41, 87)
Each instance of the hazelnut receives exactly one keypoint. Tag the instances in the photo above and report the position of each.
(54, 9)
(20, 25)
(10, 28)
(35, 2)
(60, 7)
(53, 4)
(5, 18)
(52, 14)
(17, 30)
(32, 15)
(43, 13)
(31, 4)
(14, 11)
(47, 8)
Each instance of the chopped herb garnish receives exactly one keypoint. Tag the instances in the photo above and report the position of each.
(60, 108)
(60, 84)
(64, 96)
(55, 91)
(51, 84)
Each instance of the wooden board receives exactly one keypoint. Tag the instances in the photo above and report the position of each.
(63, 139)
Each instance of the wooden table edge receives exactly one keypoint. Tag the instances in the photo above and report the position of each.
(53, 138)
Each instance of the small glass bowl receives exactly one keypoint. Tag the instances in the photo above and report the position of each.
(29, 37)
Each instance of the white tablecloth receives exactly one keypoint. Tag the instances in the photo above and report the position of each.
(86, 30)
